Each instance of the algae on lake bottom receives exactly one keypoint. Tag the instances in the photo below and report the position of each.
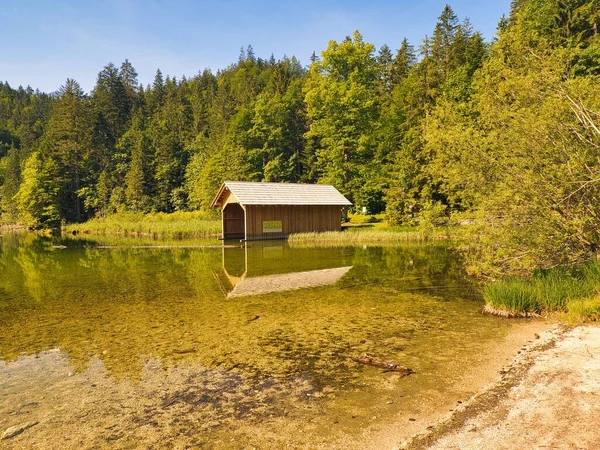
(138, 347)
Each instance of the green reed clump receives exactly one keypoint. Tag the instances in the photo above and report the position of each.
(550, 290)
(180, 224)
(511, 298)
(366, 236)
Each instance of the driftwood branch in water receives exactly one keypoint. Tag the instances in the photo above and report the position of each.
(387, 366)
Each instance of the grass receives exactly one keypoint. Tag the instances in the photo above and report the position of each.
(176, 225)
(367, 235)
(572, 291)
(511, 298)
(583, 310)
(357, 219)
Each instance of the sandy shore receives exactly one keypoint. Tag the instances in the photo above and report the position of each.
(547, 398)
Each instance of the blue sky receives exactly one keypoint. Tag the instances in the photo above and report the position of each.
(46, 41)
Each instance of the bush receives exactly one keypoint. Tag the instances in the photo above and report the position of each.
(431, 216)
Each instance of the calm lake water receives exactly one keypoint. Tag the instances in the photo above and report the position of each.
(112, 346)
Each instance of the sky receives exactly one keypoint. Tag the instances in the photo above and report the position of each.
(47, 41)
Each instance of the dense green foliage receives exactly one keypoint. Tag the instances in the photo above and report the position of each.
(506, 131)
(523, 151)
(352, 119)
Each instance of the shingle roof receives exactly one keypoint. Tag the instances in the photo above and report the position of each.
(251, 193)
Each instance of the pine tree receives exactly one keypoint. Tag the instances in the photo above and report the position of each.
(157, 92)
(111, 102)
(67, 144)
(403, 62)
(385, 61)
(250, 56)
(129, 79)
(170, 130)
(138, 180)
(443, 43)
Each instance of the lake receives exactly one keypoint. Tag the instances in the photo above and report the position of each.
(109, 343)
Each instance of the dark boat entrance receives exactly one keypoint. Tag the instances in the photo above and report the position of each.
(233, 221)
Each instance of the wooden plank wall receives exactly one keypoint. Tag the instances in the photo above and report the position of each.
(295, 219)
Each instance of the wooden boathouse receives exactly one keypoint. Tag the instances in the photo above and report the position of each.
(252, 210)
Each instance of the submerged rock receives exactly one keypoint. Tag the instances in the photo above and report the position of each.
(17, 429)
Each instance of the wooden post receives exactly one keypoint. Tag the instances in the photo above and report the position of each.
(245, 223)
(223, 223)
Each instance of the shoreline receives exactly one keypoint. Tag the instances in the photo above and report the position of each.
(525, 407)
(345, 237)
(156, 235)
(408, 424)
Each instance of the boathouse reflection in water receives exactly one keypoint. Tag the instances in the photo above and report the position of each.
(264, 268)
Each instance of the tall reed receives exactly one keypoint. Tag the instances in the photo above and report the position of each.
(545, 291)
(365, 236)
(160, 225)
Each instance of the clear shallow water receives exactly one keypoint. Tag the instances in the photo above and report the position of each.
(235, 347)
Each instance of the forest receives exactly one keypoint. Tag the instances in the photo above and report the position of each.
(502, 134)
